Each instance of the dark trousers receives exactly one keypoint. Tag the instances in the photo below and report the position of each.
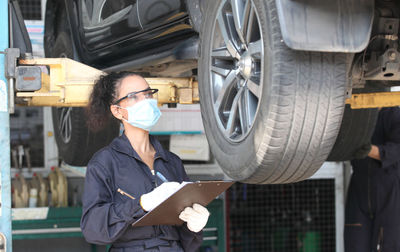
(372, 218)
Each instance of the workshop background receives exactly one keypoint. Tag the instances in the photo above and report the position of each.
(305, 216)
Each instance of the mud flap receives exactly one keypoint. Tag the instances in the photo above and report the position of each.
(328, 26)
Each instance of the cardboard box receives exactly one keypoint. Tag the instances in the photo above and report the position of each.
(190, 147)
(184, 119)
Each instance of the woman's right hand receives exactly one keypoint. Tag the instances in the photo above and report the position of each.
(152, 199)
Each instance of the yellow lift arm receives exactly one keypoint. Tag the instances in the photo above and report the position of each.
(67, 83)
(374, 100)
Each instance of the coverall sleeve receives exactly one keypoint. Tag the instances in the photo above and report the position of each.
(190, 241)
(390, 151)
(104, 221)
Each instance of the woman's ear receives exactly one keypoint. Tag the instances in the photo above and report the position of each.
(116, 112)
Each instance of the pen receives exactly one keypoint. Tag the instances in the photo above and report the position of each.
(162, 177)
(124, 193)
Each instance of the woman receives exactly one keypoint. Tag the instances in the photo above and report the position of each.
(121, 182)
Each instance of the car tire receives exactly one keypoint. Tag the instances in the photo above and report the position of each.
(76, 143)
(356, 130)
(271, 114)
(357, 127)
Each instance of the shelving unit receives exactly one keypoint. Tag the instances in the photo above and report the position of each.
(65, 222)
(59, 223)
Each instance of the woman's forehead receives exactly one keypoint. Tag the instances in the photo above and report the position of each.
(132, 84)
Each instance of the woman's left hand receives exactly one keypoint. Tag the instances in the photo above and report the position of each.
(196, 217)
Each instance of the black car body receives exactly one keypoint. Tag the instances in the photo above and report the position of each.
(122, 35)
(273, 75)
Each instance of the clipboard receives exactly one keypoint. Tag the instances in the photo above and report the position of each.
(167, 213)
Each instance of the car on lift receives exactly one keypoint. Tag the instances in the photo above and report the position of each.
(273, 74)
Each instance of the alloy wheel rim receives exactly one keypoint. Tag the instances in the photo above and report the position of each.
(236, 65)
(64, 119)
(64, 124)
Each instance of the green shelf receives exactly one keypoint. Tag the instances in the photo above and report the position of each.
(65, 222)
(60, 223)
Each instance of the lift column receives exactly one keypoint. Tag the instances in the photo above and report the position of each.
(5, 181)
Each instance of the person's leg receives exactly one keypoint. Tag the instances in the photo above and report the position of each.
(357, 230)
(388, 238)
(387, 224)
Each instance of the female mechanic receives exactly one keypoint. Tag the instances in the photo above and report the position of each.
(121, 182)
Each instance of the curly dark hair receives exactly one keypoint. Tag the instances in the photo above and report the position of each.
(104, 93)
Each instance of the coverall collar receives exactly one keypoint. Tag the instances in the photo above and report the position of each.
(122, 144)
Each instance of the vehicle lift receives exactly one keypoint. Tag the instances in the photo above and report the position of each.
(62, 82)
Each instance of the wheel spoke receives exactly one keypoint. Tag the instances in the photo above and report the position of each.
(64, 119)
(255, 49)
(221, 53)
(65, 124)
(253, 88)
(240, 11)
(228, 82)
(226, 35)
(250, 21)
(68, 131)
(221, 71)
(244, 111)
(230, 125)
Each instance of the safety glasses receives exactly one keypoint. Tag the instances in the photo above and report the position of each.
(134, 96)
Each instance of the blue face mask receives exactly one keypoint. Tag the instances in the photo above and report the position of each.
(143, 114)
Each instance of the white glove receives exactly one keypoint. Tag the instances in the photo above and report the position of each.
(196, 217)
(152, 199)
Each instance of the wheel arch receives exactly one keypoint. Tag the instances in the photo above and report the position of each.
(326, 26)
(195, 9)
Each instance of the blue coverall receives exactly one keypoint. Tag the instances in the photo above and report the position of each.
(372, 221)
(107, 215)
